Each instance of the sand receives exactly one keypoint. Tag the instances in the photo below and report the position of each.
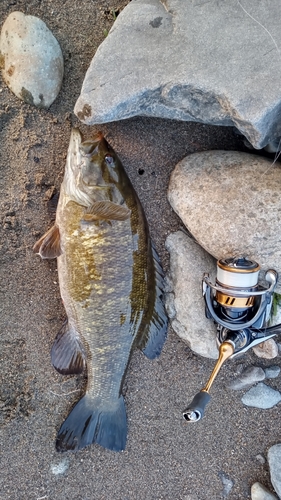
(165, 457)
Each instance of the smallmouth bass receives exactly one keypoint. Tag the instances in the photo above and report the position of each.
(111, 284)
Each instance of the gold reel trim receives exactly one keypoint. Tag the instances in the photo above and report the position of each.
(235, 302)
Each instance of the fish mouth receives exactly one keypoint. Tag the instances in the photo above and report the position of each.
(88, 147)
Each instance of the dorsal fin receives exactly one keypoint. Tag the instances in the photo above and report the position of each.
(155, 321)
(48, 247)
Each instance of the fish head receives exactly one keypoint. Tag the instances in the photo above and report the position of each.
(102, 167)
(93, 170)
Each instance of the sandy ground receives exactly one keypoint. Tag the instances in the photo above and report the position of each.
(165, 458)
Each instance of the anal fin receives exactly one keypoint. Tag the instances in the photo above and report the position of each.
(67, 353)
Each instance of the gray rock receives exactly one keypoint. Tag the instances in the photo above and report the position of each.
(260, 458)
(227, 484)
(260, 492)
(266, 350)
(165, 61)
(274, 461)
(261, 396)
(230, 201)
(272, 371)
(248, 377)
(184, 302)
(31, 59)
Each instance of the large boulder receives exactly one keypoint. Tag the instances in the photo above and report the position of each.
(211, 61)
(230, 202)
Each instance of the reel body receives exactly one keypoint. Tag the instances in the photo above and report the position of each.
(240, 306)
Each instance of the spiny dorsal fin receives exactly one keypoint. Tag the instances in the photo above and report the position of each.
(67, 353)
(106, 210)
(48, 247)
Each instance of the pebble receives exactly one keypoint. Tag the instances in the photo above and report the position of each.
(272, 371)
(266, 350)
(274, 461)
(260, 492)
(260, 458)
(60, 468)
(227, 484)
(261, 396)
(31, 59)
(248, 377)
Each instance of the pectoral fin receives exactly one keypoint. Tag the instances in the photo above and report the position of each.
(67, 353)
(48, 247)
(106, 210)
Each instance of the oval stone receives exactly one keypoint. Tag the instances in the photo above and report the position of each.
(183, 294)
(31, 59)
(274, 462)
(230, 202)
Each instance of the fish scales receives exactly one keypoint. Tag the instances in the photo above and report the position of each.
(111, 284)
(96, 283)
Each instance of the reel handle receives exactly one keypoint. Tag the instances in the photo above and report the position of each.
(197, 407)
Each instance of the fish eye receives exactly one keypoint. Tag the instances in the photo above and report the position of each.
(109, 160)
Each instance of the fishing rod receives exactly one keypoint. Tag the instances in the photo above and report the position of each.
(240, 306)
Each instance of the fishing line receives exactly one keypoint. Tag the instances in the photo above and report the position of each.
(256, 21)
(277, 153)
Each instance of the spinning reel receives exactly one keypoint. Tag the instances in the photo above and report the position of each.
(240, 306)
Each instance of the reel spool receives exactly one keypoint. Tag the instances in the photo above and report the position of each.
(240, 306)
(238, 299)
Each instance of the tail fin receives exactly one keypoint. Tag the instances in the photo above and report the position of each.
(94, 421)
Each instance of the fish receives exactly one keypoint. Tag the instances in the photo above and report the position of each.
(111, 285)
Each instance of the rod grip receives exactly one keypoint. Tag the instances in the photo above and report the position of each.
(196, 409)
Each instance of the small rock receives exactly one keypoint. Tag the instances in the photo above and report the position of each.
(225, 215)
(260, 458)
(261, 396)
(227, 484)
(272, 371)
(274, 461)
(31, 59)
(60, 468)
(250, 376)
(266, 350)
(184, 301)
(260, 492)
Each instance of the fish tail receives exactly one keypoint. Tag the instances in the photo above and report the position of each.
(94, 420)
